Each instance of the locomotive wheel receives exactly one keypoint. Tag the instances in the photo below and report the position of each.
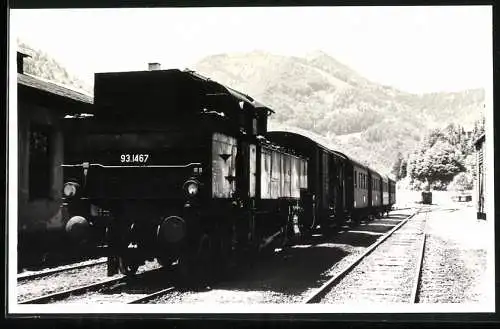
(127, 266)
(166, 261)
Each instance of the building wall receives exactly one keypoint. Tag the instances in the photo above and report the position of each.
(480, 191)
(39, 213)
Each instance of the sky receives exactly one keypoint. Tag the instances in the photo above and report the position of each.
(416, 49)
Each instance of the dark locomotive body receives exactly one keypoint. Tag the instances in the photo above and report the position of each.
(177, 167)
(169, 167)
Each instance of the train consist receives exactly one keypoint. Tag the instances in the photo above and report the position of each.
(178, 167)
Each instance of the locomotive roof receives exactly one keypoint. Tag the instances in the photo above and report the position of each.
(136, 80)
(237, 94)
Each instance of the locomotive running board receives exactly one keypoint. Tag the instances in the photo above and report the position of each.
(133, 166)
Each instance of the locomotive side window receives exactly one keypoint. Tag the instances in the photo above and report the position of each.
(224, 149)
(254, 126)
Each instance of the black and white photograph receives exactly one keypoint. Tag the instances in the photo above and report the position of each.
(251, 160)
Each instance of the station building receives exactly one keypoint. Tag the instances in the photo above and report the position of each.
(479, 184)
(41, 106)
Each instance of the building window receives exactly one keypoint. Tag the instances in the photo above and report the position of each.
(40, 162)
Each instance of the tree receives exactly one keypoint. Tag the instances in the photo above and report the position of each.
(462, 182)
(431, 138)
(440, 163)
(403, 169)
(396, 167)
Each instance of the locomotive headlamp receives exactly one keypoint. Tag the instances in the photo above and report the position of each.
(191, 187)
(69, 189)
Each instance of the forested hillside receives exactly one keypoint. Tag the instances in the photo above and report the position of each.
(363, 119)
(44, 66)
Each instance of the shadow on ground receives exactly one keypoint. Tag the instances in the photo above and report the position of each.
(297, 269)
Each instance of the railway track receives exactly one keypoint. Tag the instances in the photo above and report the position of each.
(149, 297)
(389, 270)
(107, 287)
(44, 273)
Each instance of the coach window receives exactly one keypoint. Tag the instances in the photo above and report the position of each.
(40, 163)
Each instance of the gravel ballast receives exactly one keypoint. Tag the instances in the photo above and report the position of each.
(291, 275)
(70, 279)
(455, 263)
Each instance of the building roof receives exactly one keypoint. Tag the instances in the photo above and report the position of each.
(25, 51)
(54, 88)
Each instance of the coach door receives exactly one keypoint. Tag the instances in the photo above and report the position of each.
(326, 193)
(246, 167)
(337, 187)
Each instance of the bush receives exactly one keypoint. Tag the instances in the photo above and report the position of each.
(461, 182)
(439, 186)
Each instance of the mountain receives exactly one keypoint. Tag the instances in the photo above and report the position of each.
(44, 66)
(366, 120)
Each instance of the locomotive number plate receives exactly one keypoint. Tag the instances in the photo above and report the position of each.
(134, 158)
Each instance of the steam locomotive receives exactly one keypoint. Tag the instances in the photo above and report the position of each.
(177, 167)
